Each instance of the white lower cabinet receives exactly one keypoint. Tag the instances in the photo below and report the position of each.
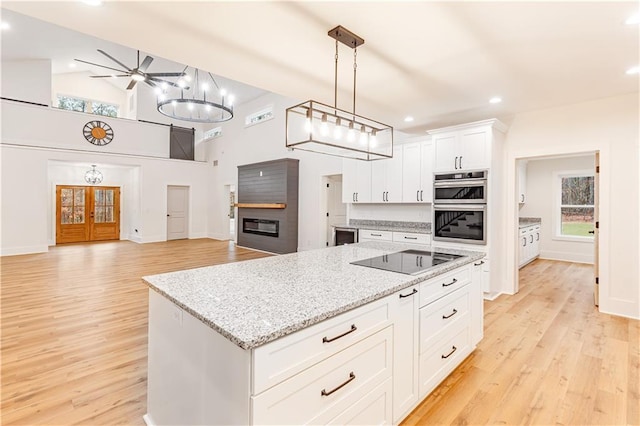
(372, 409)
(529, 243)
(404, 314)
(318, 394)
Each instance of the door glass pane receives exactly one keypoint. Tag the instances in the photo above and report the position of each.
(109, 197)
(78, 214)
(99, 216)
(66, 197)
(99, 196)
(66, 215)
(79, 197)
(108, 216)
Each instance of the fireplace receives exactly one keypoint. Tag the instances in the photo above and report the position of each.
(261, 226)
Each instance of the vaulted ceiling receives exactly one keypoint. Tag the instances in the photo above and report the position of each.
(439, 62)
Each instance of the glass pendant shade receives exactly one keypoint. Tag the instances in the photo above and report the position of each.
(317, 127)
(93, 176)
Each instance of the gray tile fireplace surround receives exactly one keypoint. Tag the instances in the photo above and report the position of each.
(269, 182)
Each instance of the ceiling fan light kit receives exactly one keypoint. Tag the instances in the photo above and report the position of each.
(321, 128)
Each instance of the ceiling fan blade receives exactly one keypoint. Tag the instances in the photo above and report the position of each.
(170, 83)
(114, 60)
(132, 84)
(103, 66)
(145, 64)
(103, 76)
(166, 74)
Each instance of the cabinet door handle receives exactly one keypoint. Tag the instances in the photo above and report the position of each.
(351, 378)
(479, 263)
(460, 162)
(455, 311)
(421, 195)
(376, 235)
(418, 195)
(410, 238)
(522, 198)
(453, 349)
(451, 283)
(329, 340)
(531, 238)
(537, 236)
(524, 242)
(415, 290)
(353, 197)
(455, 163)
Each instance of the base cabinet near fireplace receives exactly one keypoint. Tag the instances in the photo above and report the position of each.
(370, 365)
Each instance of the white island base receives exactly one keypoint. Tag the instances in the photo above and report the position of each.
(369, 365)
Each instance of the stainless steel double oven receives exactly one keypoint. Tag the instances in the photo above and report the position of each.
(460, 207)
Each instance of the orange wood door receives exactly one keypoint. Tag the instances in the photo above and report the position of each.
(72, 218)
(104, 216)
(86, 213)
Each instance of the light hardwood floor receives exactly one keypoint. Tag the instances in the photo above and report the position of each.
(74, 343)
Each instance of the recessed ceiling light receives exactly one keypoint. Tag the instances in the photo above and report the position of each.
(633, 19)
(408, 119)
(5, 26)
(495, 100)
(634, 70)
(92, 2)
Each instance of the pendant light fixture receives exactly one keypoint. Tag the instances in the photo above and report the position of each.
(93, 176)
(317, 127)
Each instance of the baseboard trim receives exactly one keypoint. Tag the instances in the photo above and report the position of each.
(16, 251)
(147, 420)
(567, 256)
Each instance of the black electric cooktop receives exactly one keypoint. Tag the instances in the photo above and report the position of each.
(410, 262)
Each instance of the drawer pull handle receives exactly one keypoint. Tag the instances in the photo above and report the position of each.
(415, 290)
(479, 263)
(351, 378)
(327, 340)
(410, 238)
(450, 353)
(376, 235)
(451, 283)
(455, 311)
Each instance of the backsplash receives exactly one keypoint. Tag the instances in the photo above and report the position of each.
(391, 225)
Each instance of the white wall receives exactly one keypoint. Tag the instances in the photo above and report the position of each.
(241, 145)
(27, 81)
(610, 126)
(80, 85)
(542, 202)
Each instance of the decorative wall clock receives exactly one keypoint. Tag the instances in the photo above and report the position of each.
(98, 132)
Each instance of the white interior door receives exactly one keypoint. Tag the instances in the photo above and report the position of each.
(177, 212)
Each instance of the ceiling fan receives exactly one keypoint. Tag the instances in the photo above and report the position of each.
(136, 74)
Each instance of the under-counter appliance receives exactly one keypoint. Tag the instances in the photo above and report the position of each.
(460, 188)
(460, 207)
(410, 262)
(344, 235)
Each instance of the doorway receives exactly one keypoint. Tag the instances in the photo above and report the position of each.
(87, 213)
(561, 191)
(336, 210)
(177, 212)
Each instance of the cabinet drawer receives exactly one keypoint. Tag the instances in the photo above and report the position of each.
(412, 238)
(436, 364)
(372, 409)
(284, 357)
(443, 317)
(437, 287)
(368, 234)
(327, 389)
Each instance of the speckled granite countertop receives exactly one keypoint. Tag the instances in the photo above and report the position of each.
(390, 225)
(523, 222)
(256, 301)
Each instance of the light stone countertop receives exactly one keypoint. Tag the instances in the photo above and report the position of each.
(523, 222)
(256, 301)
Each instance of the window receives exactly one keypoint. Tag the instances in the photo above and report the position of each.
(576, 207)
(86, 105)
(259, 117)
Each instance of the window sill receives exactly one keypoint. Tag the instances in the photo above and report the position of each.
(574, 239)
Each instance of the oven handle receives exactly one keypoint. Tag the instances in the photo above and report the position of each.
(463, 207)
(459, 183)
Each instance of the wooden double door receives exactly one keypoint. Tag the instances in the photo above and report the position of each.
(87, 213)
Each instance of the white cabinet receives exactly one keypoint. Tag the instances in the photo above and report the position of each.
(356, 181)
(386, 179)
(372, 235)
(417, 172)
(404, 314)
(529, 244)
(412, 238)
(522, 181)
(468, 148)
(476, 300)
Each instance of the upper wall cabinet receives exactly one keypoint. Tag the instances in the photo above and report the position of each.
(465, 147)
(386, 179)
(417, 172)
(522, 181)
(356, 181)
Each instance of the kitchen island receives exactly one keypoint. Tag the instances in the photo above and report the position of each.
(271, 340)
